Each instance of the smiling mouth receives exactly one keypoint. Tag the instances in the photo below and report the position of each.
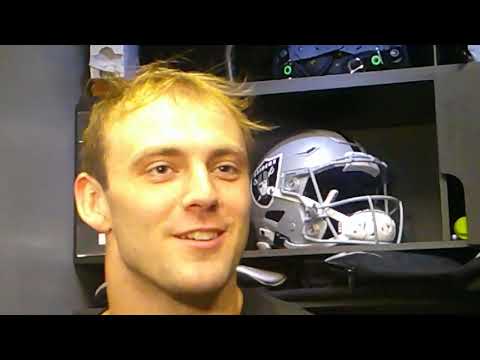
(203, 239)
(201, 235)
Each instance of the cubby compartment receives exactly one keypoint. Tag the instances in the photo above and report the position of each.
(395, 123)
(256, 63)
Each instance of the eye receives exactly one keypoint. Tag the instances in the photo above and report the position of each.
(160, 171)
(227, 168)
(228, 171)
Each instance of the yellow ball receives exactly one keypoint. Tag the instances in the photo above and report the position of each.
(461, 228)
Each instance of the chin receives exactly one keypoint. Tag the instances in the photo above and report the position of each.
(203, 283)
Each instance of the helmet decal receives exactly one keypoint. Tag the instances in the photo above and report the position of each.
(266, 175)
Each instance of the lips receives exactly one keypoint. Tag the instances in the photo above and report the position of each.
(202, 238)
(201, 235)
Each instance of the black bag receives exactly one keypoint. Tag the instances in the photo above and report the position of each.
(392, 268)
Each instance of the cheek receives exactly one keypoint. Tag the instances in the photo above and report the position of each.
(237, 200)
(135, 205)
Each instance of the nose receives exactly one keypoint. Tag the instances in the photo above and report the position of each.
(200, 191)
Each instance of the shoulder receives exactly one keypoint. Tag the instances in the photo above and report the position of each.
(257, 301)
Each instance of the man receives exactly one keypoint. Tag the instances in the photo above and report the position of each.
(165, 176)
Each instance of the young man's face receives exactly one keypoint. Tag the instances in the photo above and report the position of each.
(179, 194)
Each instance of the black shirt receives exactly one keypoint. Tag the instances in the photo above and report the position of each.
(256, 301)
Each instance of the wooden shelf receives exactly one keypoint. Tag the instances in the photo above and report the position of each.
(249, 254)
(433, 245)
(331, 82)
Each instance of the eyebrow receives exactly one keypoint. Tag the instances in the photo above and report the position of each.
(176, 152)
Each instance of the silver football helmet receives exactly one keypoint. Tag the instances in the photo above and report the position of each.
(317, 188)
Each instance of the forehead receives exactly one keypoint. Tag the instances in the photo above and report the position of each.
(179, 122)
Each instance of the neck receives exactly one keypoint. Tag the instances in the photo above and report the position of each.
(131, 293)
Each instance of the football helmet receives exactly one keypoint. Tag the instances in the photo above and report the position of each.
(318, 188)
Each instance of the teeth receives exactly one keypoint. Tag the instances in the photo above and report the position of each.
(201, 235)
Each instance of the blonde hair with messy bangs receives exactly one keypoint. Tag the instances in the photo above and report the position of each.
(153, 81)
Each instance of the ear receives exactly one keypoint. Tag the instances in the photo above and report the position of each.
(91, 203)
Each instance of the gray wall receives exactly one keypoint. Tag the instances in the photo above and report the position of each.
(39, 88)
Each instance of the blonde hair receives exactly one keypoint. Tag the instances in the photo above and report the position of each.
(153, 81)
